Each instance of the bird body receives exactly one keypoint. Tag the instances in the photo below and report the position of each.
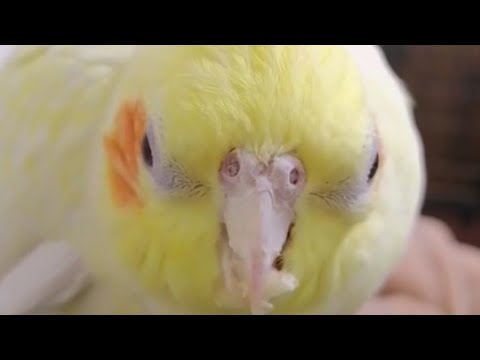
(205, 179)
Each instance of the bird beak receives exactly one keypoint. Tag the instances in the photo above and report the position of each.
(258, 210)
(257, 229)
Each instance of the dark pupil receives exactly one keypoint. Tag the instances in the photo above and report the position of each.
(147, 151)
(374, 169)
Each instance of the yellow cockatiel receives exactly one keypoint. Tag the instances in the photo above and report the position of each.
(202, 179)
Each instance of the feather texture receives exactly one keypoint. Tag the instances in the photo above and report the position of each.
(337, 108)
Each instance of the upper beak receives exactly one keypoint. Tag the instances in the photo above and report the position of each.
(257, 228)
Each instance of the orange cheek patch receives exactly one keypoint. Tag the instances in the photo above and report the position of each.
(123, 146)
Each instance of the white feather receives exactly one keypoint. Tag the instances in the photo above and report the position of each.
(51, 275)
(5, 52)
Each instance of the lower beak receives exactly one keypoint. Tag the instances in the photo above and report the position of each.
(257, 230)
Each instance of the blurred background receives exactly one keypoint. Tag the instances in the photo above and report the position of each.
(445, 82)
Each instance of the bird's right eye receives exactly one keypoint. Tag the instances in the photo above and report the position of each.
(373, 168)
(147, 151)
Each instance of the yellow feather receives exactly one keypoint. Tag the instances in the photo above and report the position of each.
(269, 99)
(318, 102)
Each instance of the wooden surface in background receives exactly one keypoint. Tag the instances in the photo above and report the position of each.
(445, 83)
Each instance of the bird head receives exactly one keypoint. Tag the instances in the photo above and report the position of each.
(237, 170)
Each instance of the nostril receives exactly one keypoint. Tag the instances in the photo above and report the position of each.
(233, 168)
(231, 165)
(294, 176)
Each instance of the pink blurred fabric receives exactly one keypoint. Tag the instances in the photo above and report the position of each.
(438, 275)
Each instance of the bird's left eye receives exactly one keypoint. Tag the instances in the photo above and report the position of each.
(147, 151)
(373, 169)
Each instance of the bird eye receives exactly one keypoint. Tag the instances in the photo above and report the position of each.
(147, 151)
(373, 169)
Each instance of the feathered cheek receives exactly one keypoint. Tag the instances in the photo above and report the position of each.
(123, 146)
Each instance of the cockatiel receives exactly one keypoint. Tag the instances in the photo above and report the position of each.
(202, 179)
